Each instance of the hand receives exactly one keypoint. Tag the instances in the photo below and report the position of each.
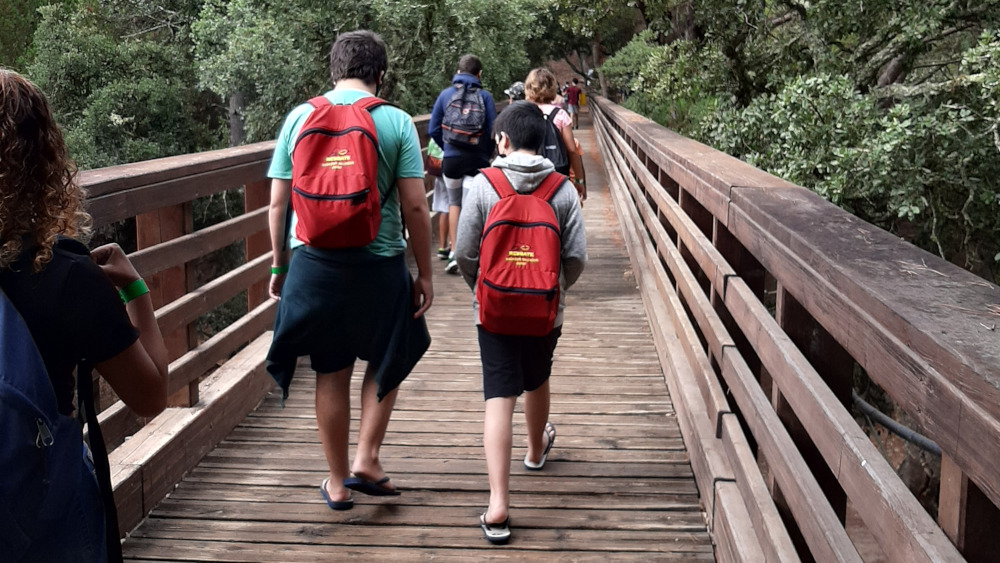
(113, 262)
(423, 295)
(274, 288)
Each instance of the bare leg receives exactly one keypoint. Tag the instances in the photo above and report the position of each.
(374, 423)
(453, 212)
(497, 442)
(536, 414)
(444, 230)
(333, 417)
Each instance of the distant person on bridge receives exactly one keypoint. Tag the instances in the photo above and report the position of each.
(79, 308)
(573, 102)
(342, 298)
(540, 89)
(534, 236)
(461, 122)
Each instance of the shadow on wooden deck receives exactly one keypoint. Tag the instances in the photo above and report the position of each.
(618, 484)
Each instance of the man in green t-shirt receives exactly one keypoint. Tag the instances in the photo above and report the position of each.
(338, 305)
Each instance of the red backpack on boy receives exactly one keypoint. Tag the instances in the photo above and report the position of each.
(519, 259)
(335, 175)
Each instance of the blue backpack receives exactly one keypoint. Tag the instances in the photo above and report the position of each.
(44, 470)
(464, 121)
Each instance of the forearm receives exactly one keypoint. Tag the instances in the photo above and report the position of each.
(418, 224)
(140, 312)
(576, 164)
(276, 217)
(467, 240)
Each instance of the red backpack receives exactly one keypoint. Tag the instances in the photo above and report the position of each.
(519, 259)
(335, 175)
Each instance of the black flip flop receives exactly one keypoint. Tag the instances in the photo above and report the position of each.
(369, 487)
(335, 504)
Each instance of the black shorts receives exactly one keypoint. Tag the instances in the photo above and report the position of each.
(465, 165)
(515, 364)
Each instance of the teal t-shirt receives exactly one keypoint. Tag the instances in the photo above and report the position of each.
(398, 157)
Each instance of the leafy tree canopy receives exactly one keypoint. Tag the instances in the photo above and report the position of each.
(887, 108)
(275, 54)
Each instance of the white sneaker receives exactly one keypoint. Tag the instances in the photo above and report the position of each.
(452, 267)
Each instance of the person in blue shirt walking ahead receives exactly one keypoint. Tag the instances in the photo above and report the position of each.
(462, 123)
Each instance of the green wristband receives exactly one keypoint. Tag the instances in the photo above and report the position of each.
(136, 289)
(278, 270)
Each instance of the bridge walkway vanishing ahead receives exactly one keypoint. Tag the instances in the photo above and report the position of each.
(618, 484)
(723, 309)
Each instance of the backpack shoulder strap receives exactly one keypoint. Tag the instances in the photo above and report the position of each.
(549, 186)
(102, 467)
(552, 114)
(499, 181)
(371, 102)
(319, 101)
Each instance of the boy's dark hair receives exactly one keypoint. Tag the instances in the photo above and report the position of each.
(358, 54)
(470, 64)
(524, 125)
(575, 81)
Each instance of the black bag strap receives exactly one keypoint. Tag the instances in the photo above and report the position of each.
(85, 403)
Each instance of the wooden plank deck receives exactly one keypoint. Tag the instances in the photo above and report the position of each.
(618, 484)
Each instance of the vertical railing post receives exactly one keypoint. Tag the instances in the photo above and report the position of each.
(967, 516)
(154, 228)
(836, 367)
(255, 196)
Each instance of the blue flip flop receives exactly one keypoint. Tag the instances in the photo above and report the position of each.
(369, 487)
(550, 431)
(335, 504)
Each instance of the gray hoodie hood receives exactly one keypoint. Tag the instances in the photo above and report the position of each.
(525, 171)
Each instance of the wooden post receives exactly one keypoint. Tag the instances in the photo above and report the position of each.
(966, 515)
(255, 196)
(702, 218)
(752, 273)
(836, 367)
(151, 229)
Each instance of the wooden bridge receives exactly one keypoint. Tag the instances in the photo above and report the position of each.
(702, 386)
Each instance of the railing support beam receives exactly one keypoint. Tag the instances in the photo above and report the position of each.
(967, 515)
(154, 228)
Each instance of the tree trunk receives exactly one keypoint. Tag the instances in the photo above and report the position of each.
(237, 128)
(595, 49)
(684, 21)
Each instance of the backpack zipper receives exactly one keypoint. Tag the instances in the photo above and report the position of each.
(521, 225)
(356, 195)
(549, 294)
(329, 133)
(44, 438)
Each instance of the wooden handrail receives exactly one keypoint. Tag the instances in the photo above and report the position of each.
(847, 291)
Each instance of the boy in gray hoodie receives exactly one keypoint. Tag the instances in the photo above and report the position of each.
(514, 364)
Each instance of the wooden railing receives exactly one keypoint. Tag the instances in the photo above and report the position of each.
(213, 384)
(763, 297)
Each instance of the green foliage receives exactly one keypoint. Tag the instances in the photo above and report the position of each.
(20, 17)
(891, 110)
(674, 84)
(276, 54)
(120, 99)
